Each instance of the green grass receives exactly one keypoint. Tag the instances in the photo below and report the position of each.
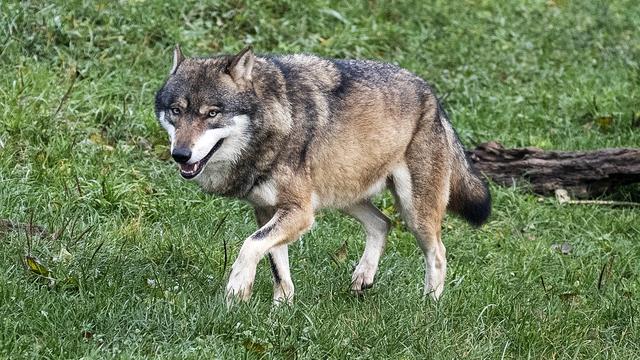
(81, 151)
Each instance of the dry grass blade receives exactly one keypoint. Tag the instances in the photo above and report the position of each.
(544, 287)
(217, 228)
(75, 177)
(74, 77)
(82, 234)
(58, 234)
(224, 242)
(88, 264)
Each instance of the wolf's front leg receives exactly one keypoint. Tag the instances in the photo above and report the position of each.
(285, 226)
(279, 261)
(282, 283)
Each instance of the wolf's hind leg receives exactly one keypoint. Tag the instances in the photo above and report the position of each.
(423, 200)
(376, 226)
(279, 261)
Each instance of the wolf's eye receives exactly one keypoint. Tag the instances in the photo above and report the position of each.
(213, 113)
(175, 111)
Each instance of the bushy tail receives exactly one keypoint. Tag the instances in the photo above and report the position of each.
(469, 195)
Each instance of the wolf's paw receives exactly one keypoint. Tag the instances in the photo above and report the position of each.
(434, 293)
(434, 288)
(362, 278)
(239, 286)
(283, 293)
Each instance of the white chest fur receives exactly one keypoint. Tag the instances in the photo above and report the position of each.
(265, 194)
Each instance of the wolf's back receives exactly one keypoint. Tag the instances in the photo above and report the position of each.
(315, 82)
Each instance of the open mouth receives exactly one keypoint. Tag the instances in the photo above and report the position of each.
(189, 171)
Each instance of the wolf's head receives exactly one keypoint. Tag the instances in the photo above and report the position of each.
(206, 106)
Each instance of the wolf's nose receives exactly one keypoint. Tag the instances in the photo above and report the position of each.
(181, 155)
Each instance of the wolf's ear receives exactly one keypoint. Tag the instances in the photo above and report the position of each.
(177, 59)
(241, 65)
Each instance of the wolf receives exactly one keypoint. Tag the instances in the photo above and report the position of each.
(295, 134)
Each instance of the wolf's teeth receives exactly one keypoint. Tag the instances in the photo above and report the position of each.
(191, 169)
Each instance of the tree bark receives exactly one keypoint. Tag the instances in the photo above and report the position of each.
(581, 173)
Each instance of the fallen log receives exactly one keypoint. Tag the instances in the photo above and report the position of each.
(582, 173)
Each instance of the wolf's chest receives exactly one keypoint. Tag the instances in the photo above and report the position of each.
(264, 195)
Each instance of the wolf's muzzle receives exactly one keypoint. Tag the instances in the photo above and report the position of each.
(183, 155)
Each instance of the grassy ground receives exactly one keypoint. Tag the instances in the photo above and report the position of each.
(139, 268)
